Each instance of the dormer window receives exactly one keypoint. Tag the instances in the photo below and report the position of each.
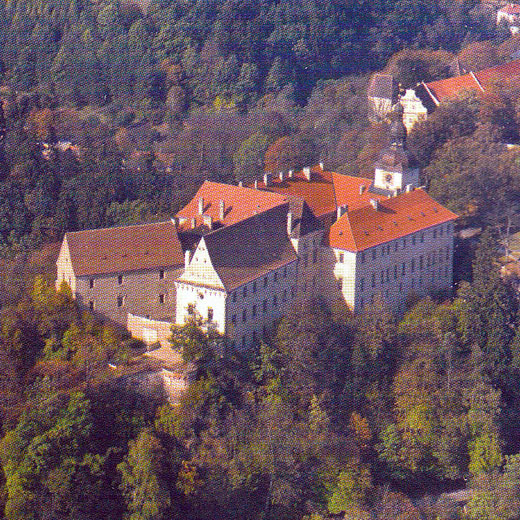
(91, 283)
(161, 274)
(120, 279)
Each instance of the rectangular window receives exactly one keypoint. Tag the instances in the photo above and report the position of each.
(161, 274)
(284, 295)
(421, 262)
(293, 291)
(91, 305)
(434, 234)
(374, 253)
(161, 298)
(275, 301)
(120, 279)
(265, 281)
(91, 283)
(264, 306)
(285, 272)
(363, 257)
(254, 311)
(210, 314)
(243, 342)
(234, 319)
(362, 284)
(373, 279)
(244, 315)
(441, 231)
(234, 296)
(396, 245)
(275, 276)
(403, 268)
(404, 243)
(244, 291)
(448, 253)
(314, 256)
(422, 237)
(120, 301)
(412, 265)
(413, 240)
(254, 286)
(341, 258)
(395, 272)
(382, 277)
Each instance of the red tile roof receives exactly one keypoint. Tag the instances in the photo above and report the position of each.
(347, 190)
(317, 193)
(510, 9)
(396, 217)
(239, 203)
(479, 81)
(123, 249)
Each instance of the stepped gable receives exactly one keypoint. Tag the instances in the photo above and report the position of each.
(123, 249)
(239, 203)
(394, 218)
(251, 248)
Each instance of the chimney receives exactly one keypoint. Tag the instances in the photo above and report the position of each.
(289, 222)
(267, 179)
(281, 175)
(240, 184)
(256, 184)
(374, 203)
(201, 205)
(193, 223)
(409, 188)
(341, 211)
(290, 174)
(208, 221)
(362, 188)
(322, 166)
(221, 210)
(187, 258)
(175, 221)
(307, 173)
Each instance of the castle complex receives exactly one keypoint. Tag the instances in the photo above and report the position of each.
(243, 256)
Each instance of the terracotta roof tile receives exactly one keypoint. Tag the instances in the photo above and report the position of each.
(396, 217)
(244, 251)
(317, 193)
(510, 9)
(239, 203)
(123, 249)
(347, 190)
(479, 81)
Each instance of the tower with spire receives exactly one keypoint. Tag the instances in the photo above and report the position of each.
(395, 168)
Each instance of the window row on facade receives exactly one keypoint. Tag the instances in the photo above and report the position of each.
(121, 279)
(254, 310)
(253, 287)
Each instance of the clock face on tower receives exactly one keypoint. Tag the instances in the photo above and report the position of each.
(388, 177)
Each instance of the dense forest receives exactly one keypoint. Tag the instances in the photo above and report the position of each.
(113, 113)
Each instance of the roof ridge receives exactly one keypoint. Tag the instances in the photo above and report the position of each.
(120, 227)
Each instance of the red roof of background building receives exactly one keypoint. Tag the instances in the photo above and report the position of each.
(510, 9)
(483, 80)
(239, 203)
(396, 217)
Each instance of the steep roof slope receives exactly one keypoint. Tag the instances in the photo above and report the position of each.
(251, 248)
(122, 249)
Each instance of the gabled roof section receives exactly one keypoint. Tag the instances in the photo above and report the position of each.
(123, 249)
(354, 192)
(239, 203)
(251, 248)
(383, 86)
(304, 219)
(395, 218)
